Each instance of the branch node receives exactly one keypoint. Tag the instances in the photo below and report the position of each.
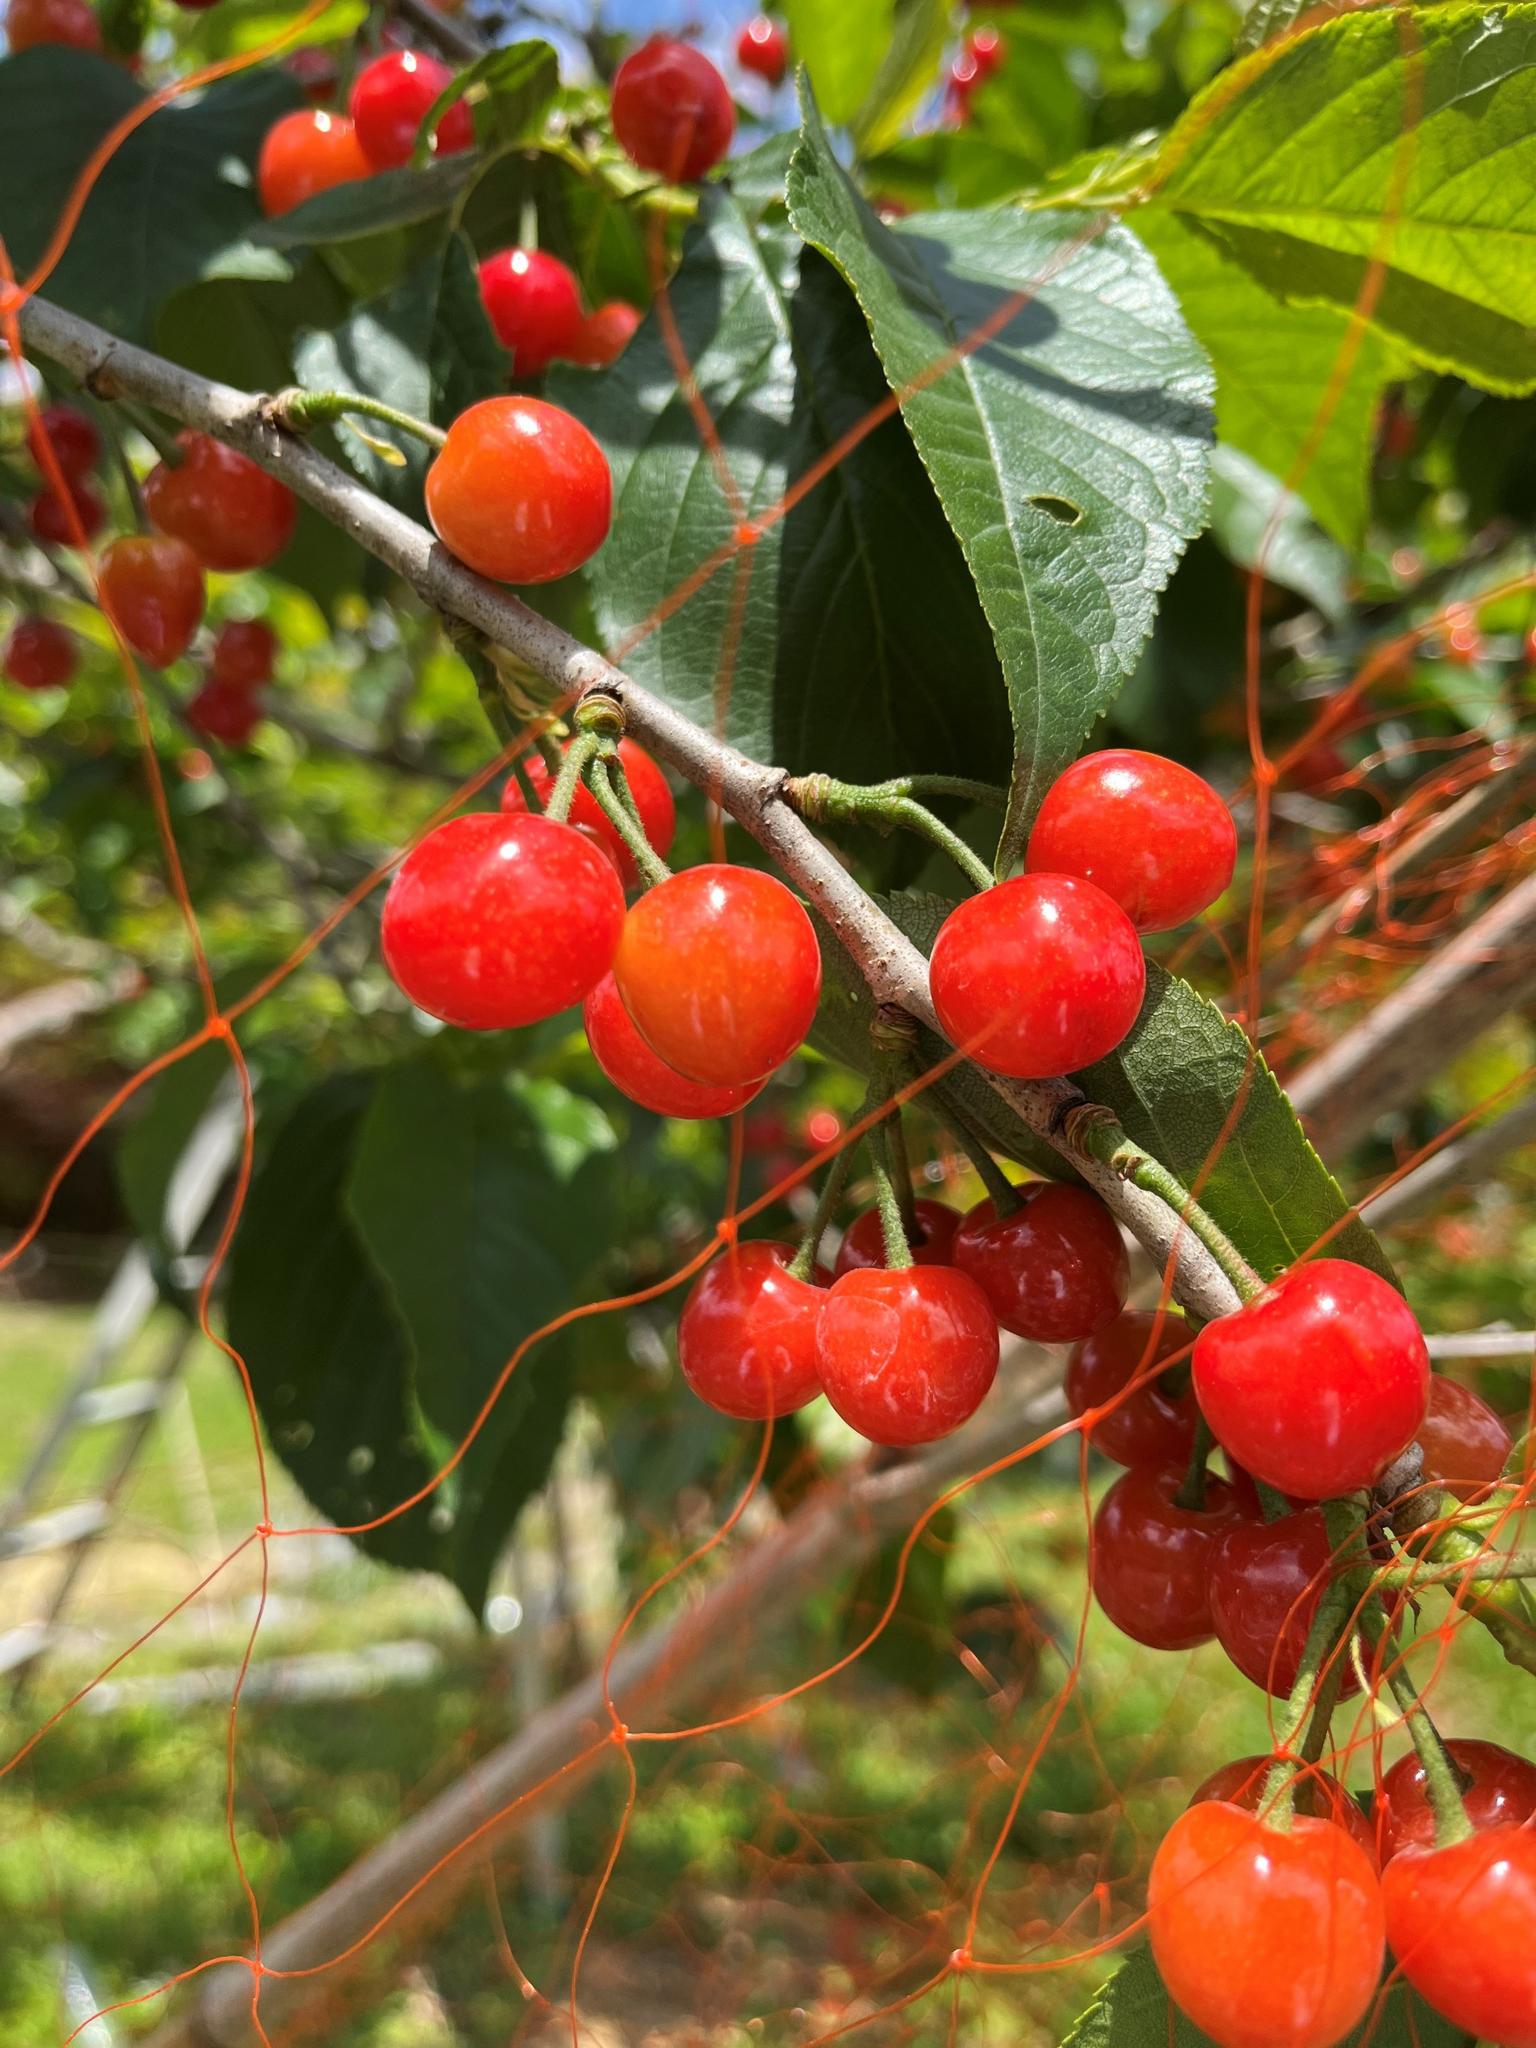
(1076, 1121)
(600, 712)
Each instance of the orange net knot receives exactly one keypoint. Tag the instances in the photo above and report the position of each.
(747, 534)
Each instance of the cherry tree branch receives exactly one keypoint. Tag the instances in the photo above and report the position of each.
(752, 793)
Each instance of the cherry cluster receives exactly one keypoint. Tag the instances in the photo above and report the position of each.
(981, 56)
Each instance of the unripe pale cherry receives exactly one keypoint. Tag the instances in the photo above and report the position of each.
(1038, 976)
(493, 922)
(1054, 1269)
(520, 491)
(1317, 1383)
(1266, 1939)
(906, 1356)
(635, 1070)
(1459, 1921)
(153, 591)
(746, 1341)
(672, 110)
(1152, 834)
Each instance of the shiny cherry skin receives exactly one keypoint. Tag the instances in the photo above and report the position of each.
(672, 110)
(1054, 1269)
(905, 1357)
(647, 785)
(152, 589)
(1266, 1940)
(230, 513)
(70, 22)
(1037, 976)
(1265, 1580)
(1318, 1382)
(244, 652)
(1498, 1790)
(39, 655)
(390, 99)
(635, 1070)
(520, 491)
(1465, 1445)
(221, 712)
(493, 922)
(746, 1340)
(1241, 1783)
(1151, 1557)
(864, 1240)
(763, 49)
(1155, 1423)
(720, 969)
(48, 516)
(306, 153)
(1459, 1920)
(604, 335)
(69, 435)
(1152, 834)
(534, 304)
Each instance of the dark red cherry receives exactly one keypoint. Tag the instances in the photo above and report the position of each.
(864, 1240)
(1054, 1269)
(72, 438)
(1152, 1558)
(230, 513)
(39, 655)
(1155, 1423)
(244, 651)
(747, 1338)
(221, 712)
(1498, 1790)
(906, 1356)
(672, 110)
(49, 518)
(1265, 1580)
(1317, 1792)
(1465, 1445)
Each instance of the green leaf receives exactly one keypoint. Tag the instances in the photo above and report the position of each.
(174, 203)
(477, 1246)
(519, 80)
(1267, 19)
(368, 206)
(328, 1358)
(915, 1648)
(1354, 142)
(1175, 1083)
(1133, 2010)
(842, 633)
(1070, 450)
(1277, 367)
(425, 348)
(1254, 520)
(907, 71)
(841, 43)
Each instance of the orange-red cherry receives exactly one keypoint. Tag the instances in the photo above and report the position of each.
(672, 110)
(746, 1340)
(1054, 1268)
(39, 655)
(906, 1356)
(647, 785)
(635, 1070)
(1459, 1920)
(534, 304)
(493, 922)
(1498, 1789)
(392, 97)
(306, 153)
(230, 513)
(930, 1245)
(153, 591)
(720, 970)
(604, 335)
(69, 22)
(1151, 834)
(1155, 1422)
(1037, 976)
(1318, 1792)
(1266, 1939)
(763, 49)
(521, 491)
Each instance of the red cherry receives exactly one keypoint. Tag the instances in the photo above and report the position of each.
(70, 22)
(905, 1357)
(635, 1070)
(720, 969)
(390, 99)
(1037, 976)
(604, 335)
(534, 303)
(1321, 767)
(73, 439)
(1459, 1920)
(315, 71)
(244, 651)
(306, 153)
(492, 922)
(1054, 1269)
(1500, 1792)
(1464, 645)
(763, 48)
(863, 1242)
(1264, 1938)
(1465, 1445)
(152, 589)
(1266, 1579)
(647, 785)
(48, 515)
(672, 110)
(1318, 1382)
(521, 491)
(39, 655)
(1156, 1424)
(1241, 1783)
(1152, 835)
(220, 712)
(746, 1341)
(1151, 1557)
(230, 513)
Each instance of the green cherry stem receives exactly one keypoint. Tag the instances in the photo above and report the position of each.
(1441, 1780)
(621, 816)
(1005, 1197)
(161, 438)
(803, 1264)
(1191, 1493)
(1324, 1641)
(302, 411)
(578, 755)
(885, 806)
(918, 818)
(893, 1225)
(988, 793)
